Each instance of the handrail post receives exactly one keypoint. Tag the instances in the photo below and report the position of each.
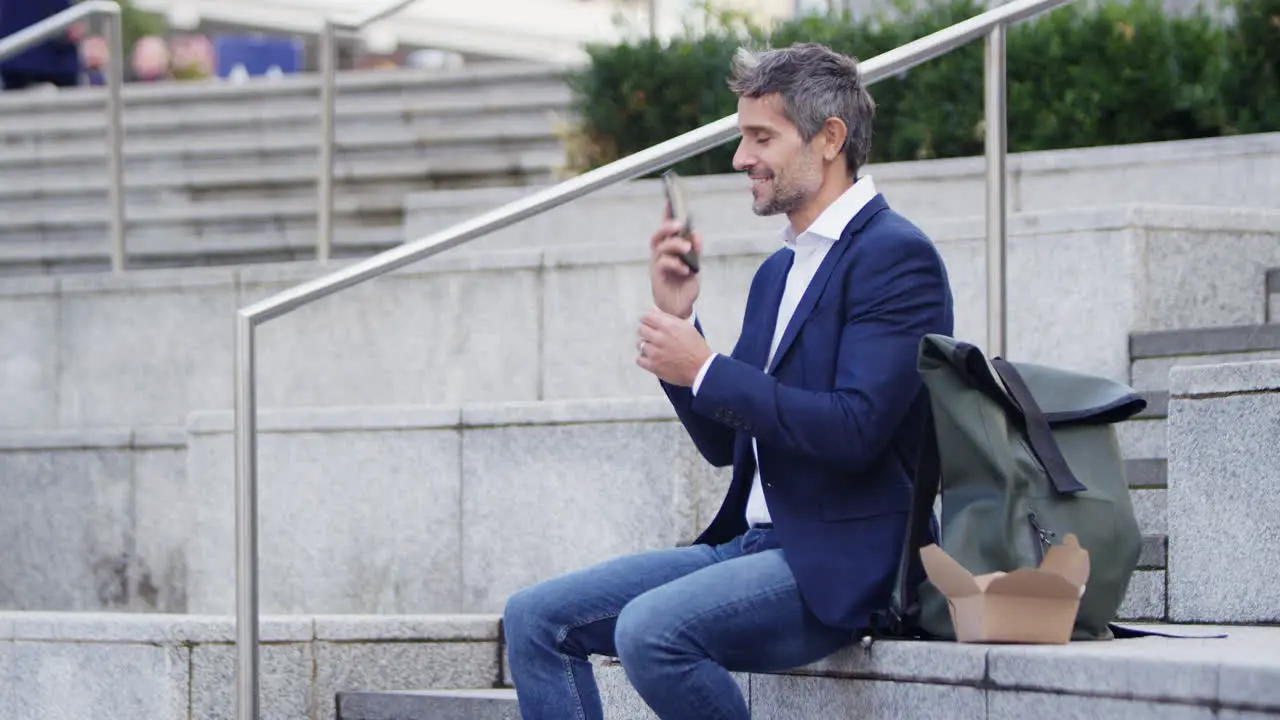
(328, 78)
(115, 138)
(246, 489)
(997, 221)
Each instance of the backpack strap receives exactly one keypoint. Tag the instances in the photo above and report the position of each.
(903, 606)
(1039, 434)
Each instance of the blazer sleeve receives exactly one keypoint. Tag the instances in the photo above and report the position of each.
(713, 439)
(897, 293)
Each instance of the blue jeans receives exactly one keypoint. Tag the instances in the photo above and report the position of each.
(678, 620)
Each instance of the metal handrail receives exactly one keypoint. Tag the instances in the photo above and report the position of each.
(51, 26)
(644, 162)
(328, 92)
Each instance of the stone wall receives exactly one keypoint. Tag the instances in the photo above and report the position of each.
(559, 323)
(57, 666)
(1224, 468)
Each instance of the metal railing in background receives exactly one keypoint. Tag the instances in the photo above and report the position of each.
(50, 27)
(989, 24)
(328, 51)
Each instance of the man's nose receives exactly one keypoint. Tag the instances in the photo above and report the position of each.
(742, 160)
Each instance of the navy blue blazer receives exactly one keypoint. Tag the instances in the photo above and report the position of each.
(839, 416)
(56, 57)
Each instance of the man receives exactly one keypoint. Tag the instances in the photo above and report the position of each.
(55, 61)
(819, 408)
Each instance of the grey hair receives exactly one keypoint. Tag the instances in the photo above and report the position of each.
(815, 84)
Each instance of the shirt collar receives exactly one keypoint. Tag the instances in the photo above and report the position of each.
(830, 224)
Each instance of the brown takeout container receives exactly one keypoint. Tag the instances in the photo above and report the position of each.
(1028, 605)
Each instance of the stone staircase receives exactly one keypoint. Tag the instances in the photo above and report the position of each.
(411, 426)
(220, 174)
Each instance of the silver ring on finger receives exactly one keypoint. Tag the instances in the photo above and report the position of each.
(640, 347)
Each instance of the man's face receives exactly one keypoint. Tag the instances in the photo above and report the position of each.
(785, 171)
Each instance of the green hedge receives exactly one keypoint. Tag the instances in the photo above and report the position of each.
(1103, 74)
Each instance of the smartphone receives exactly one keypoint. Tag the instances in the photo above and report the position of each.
(679, 205)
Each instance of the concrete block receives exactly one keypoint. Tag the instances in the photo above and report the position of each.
(452, 704)
(953, 187)
(1240, 173)
(435, 628)
(591, 313)
(1245, 377)
(1084, 286)
(430, 338)
(1010, 705)
(1145, 598)
(1143, 668)
(144, 357)
(350, 522)
(906, 660)
(71, 681)
(1150, 508)
(782, 697)
(343, 666)
(29, 364)
(1204, 341)
(163, 515)
(152, 628)
(621, 701)
(1142, 439)
(539, 501)
(1252, 681)
(1153, 373)
(285, 689)
(1230, 272)
(67, 530)
(1223, 460)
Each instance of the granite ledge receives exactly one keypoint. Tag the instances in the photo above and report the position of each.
(566, 412)
(383, 628)
(334, 419)
(157, 437)
(147, 628)
(1194, 381)
(1120, 216)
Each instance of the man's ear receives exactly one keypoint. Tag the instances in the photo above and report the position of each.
(834, 132)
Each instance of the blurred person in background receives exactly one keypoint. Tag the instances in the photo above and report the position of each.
(54, 62)
(193, 57)
(150, 59)
(94, 55)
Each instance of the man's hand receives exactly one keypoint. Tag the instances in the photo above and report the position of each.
(671, 347)
(675, 286)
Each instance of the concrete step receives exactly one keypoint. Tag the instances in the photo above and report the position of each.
(1154, 353)
(276, 113)
(1245, 169)
(177, 666)
(81, 107)
(497, 704)
(294, 242)
(292, 178)
(1148, 678)
(84, 156)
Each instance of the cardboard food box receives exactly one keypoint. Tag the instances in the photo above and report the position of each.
(1028, 605)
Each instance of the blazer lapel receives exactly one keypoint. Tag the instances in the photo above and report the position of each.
(819, 283)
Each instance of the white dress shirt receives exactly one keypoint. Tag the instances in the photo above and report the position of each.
(810, 247)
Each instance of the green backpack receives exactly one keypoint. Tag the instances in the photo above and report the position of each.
(1026, 454)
